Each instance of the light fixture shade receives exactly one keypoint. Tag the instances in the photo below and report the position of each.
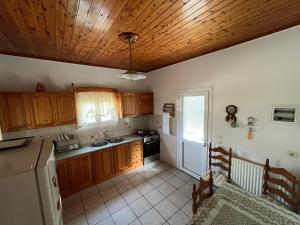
(131, 75)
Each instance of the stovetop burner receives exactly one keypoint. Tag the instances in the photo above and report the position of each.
(146, 132)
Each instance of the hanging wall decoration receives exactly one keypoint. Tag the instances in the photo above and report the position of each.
(231, 110)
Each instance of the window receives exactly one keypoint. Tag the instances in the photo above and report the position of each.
(96, 108)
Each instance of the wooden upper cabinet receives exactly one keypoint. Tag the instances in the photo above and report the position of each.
(42, 110)
(128, 104)
(65, 112)
(14, 112)
(145, 104)
(103, 165)
(122, 158)
(133, 104)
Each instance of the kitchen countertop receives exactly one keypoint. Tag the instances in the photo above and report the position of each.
(88, 149)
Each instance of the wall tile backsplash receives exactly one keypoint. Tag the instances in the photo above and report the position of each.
(87, 135)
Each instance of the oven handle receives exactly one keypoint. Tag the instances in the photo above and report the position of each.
(151, 142)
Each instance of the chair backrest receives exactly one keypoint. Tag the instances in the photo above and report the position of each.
(274, 184)
(223, 157)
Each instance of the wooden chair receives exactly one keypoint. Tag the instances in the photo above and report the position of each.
(274, 185)
(199, 194)
(221, 159)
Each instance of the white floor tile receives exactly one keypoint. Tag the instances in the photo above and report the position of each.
(166, 175)
(107, 221)
(131, 195)
(92, 202)
(166, 208)
(178, 219)
(176, 182)
(140, 206)
(89, 192)
(79, 220)
(145, 187)
(156, 181)
(178, 199)
(72, 211)
(187, 209)
(148, 174)
(131, 174)
(104, 185)
(124, 186)
(118, 179)
(115, 204)
(166, 189)
(187, 189)
(136, 222)
(136, 180)
(184, 176)
(154, 197)
(109, 194)
(97, 214)
(71, 200)
(124, 216)
(152, 217)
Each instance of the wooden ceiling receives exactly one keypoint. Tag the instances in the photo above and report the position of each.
(86, 31)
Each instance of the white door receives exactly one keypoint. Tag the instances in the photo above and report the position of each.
(193, 131)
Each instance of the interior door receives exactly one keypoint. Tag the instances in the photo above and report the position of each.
(193, 132)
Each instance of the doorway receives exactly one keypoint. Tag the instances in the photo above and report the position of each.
(194, 126)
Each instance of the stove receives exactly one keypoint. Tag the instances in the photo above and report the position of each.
(151, 145)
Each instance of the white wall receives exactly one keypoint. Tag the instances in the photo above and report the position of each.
(22, 74)
(253, 76)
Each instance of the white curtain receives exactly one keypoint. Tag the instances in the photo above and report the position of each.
(96, 108)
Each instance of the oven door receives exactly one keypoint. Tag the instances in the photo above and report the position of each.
(151, 148)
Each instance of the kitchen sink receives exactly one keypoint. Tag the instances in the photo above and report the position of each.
(115, 140)
(100, 144)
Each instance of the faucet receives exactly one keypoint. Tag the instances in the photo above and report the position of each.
(106, 134)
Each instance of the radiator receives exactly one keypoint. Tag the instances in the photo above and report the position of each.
(247, 175)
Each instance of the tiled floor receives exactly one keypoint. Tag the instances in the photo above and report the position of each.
(155, 194)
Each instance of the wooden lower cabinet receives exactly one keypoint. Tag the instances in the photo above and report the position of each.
(122, 158)
(63, 178)
(103, 167)
(80, 172)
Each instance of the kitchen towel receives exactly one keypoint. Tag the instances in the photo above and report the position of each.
(166, 123)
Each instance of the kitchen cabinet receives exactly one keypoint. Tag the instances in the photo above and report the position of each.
(63, 177)
(145, 104)
(136, 151)
(42, 110)
(80, 172)
(103, 165)
(14, 112)
(134, 104)
(65, 112)
(122, 158)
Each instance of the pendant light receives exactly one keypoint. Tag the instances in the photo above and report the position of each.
(131, 74)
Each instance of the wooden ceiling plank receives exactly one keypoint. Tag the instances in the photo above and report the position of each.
(217, 45)
(190, 7)
(61, 8)
(126, 14)
(154, 10)
(238, 18)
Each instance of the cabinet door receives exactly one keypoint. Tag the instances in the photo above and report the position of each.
(136, 151)
(15, 112)
(65, 112)
(80, 172)
(42, 110)
(145, 104)
(122, 158)
(103, 165)
(129, 107)
(63, 178)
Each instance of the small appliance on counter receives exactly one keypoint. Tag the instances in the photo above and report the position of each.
(66, 142)
(151, 145)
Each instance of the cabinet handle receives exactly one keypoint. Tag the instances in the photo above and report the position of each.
(58, 204)
(54, 181)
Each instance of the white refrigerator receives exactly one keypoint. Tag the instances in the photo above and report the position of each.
(29, 192)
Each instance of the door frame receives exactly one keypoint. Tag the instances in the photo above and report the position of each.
(180, 92)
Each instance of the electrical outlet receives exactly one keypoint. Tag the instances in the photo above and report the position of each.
(292, 154)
